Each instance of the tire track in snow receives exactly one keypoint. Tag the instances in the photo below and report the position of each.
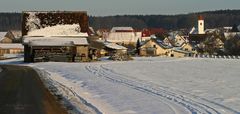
(67, 93)
(193, 105)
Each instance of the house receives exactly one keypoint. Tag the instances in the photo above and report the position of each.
(10, 48)
(124, 35)
(12, 36)
(179, 40)
(113, 48)
(61, 36)
(176, 38)
(100, 48)
(2, 37)
(153, 47)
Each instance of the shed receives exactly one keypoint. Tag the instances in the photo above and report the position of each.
(10, 48)
(55, 36)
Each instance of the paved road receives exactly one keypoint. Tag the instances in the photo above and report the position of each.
(22, 92)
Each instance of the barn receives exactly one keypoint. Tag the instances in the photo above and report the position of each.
(55, 36)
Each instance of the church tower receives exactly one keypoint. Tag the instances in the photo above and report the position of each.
(201, 25)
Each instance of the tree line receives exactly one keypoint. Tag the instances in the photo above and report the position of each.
(213, 19)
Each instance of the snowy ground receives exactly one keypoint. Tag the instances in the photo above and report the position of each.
(153, 85)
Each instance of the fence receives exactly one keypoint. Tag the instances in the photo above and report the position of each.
(217, 56)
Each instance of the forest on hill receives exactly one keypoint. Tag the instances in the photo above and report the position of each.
(213, 19)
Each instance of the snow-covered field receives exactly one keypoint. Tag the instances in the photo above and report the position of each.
(153, 85)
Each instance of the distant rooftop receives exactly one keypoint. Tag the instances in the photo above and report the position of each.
(122, 29)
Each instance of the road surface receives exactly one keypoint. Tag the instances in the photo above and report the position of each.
(22, 92)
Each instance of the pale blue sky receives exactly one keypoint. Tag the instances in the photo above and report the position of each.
(119, 7)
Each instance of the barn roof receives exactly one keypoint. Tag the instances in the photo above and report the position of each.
(54, 41)
(32, 20)
(122, 29)
(122, 37)
(59, 30)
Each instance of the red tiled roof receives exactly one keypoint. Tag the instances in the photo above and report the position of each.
(150, 31)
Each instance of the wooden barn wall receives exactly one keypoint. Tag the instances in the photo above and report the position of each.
(54, 18)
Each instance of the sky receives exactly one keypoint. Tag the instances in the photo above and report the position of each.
(120, 7)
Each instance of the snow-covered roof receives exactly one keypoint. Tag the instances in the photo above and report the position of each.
(17, 33)
(2, 35)
(193, 31)
(58, 30)
(114, 29)
(114, 46)
(229, 28)
(54, 41)
(123, 37)
(9, 46)
(158, 42)
(50, 42)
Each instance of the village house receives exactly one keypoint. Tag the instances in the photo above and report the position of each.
(55, 36)
(153, 47)
(113, 48)
(9, 45)
(176, 39)
(2, 37)
(12, 36)
(102, 48)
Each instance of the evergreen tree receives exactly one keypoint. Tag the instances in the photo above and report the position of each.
(138, 47)
(235, 28)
